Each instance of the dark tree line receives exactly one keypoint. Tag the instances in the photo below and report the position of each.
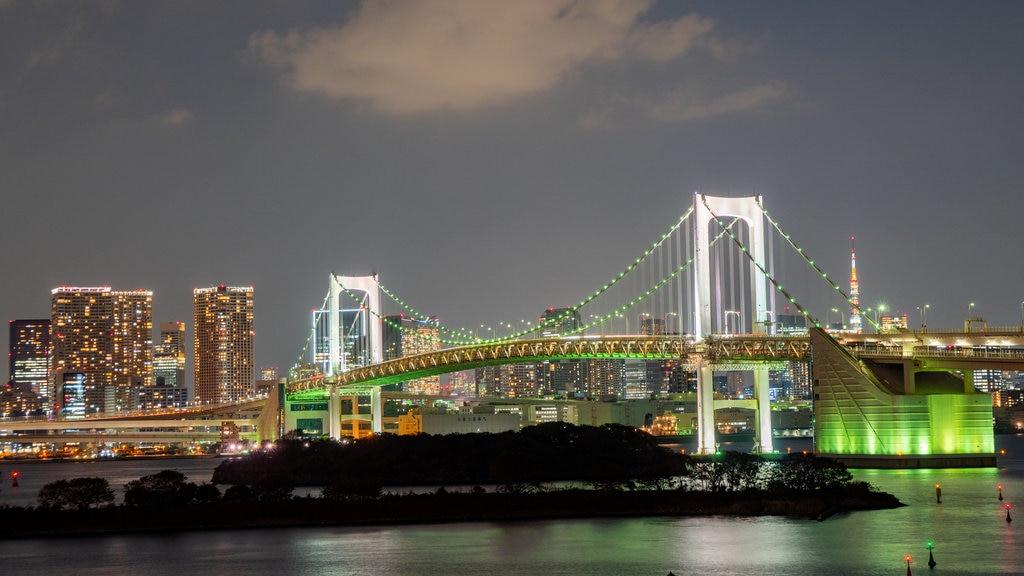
(609, 457)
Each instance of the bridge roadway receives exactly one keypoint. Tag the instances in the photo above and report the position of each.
(733, 348)
(1001, 348)
(996, 349)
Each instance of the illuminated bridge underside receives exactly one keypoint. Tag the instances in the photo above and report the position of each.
(861, 422)
(732, 350)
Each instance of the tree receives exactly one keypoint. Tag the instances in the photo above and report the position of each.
(77, 493)
(165, 488)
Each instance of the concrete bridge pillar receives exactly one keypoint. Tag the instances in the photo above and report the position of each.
(764, 410)
(705, 407)
(333, 413)
(968, 381)
(377, 410)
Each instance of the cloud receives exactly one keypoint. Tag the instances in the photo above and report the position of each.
(686, 106)
(412, 56)
(175, 117)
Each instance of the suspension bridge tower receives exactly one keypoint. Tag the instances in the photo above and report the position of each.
(362, 325)
(709, 209)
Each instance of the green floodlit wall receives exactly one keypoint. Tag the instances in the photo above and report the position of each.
(856, 415)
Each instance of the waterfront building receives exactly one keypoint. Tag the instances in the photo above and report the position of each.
(223, 343)
(29, 356)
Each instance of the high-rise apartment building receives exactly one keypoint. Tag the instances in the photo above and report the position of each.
(107, 337)
(29, 356)
(132, 338)
(223, 343)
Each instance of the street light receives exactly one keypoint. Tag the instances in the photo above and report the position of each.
(738, 320)
(842, 319)
(624, 317)
(924, 314)
(680, 331)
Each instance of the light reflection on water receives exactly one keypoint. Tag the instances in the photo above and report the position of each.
(970, 534)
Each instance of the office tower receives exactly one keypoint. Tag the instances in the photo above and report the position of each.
(132, 340)
(854, 292)
(223, 343)
(169, 356)
(29, 356)
(404, 336)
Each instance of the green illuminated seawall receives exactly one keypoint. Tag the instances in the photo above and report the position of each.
(865, 424)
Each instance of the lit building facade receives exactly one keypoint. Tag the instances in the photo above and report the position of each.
(403, 337)
(29, 356)
(559, 322)
(893, 322)
(169, 356)
(81, 321)
(132, 341)
(223, 343)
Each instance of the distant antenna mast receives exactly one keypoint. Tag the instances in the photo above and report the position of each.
(854, 291)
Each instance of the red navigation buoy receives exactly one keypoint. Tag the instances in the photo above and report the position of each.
(14, 478)
(1008, 519)
(1000, 487)
(907, 558)
(938, 494)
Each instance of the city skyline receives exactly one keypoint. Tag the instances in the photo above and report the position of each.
(163, 153)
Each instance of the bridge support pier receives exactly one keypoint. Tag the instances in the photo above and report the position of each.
(377, 410)
(333, 414)
(705, 407)
(764, 411)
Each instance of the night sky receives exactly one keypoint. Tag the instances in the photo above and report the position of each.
(492, 158)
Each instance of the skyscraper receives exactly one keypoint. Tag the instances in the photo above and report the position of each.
(29, 356)
(223, 343)
(132, 339)
(82, 324)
